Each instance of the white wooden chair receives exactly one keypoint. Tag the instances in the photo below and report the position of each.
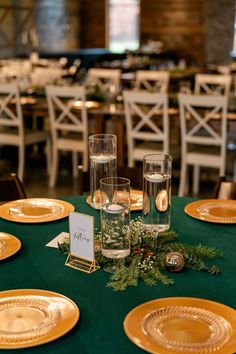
(108, 80)
(12, 128)
(212, 84)
(152, 80)
(147, 124)
(69, 126)
(203, 136)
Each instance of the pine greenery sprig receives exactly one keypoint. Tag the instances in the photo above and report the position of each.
(147, 258)
(154, 275)
(124, 276)
(64, 247)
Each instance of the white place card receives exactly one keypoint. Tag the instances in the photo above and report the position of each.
(59, 238)
(81, 228)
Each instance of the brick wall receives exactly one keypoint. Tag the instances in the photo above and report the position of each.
(58, 25)
(179, 24)
(219, 30)
(93, 23)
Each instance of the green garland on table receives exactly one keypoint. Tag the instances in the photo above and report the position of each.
(147, 258)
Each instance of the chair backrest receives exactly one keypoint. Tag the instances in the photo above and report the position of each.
(212, 84)
(146, 116)
(11, 188)
(10, 112)
(152, 80)
(134, 174)
(105, 79)
(67, 110)
(203, 121)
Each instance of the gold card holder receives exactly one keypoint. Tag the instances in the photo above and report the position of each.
(82, 248)
(85, 265)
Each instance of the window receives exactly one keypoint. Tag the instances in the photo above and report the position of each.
(123, 25)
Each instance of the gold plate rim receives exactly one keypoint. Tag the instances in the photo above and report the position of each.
(13, 245)
(133, 207)
(191, 209)
(4, 210)
(88, 103)
(133, 322)
(71, 316)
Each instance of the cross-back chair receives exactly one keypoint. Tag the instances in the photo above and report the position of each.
(147, 124)
(212, 84)
(152, 80)
(108, 80)
(203, 136)
(11, 188)
(12, 127)
(69, 126)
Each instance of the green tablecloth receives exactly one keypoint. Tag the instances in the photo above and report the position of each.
(100, 328)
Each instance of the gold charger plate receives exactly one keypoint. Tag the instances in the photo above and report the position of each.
(9, 245)
(30, 317)
(25, 100)
(213, 210)
(182, 325)
(33, 210)
(88, 104)
(136, 200)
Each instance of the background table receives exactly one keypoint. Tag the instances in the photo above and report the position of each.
(100, 328)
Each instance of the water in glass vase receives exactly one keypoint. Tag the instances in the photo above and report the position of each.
(100, 166)
(156, 201)
(115, 231)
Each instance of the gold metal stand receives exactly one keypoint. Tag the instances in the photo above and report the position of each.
(85, 265)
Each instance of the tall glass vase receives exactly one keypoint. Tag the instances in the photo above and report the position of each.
(103, 163)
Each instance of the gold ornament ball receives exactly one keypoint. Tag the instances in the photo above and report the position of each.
(174, 262)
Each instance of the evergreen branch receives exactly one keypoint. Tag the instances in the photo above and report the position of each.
(125, 277)
(64, 247)
(198, 251)
(153, 275)
(205, 252)
(193, 262)
(167, 236)
(147, 257)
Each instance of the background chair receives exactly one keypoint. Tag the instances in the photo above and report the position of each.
(11, 188)
(107, 80)
(212, 84)
(147, 124)
(216, 84)
(12, 129)
(224, 189)
(203, 138)
(69, 126)
(134, 174)
(152, 80)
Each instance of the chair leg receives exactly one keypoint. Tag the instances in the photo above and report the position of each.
(196, 176)
(75, 163)
(85, 161)
(21, 162)
(54, 168)
(183, 180)
(130, 159)
(48, 155)
(234, 175)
